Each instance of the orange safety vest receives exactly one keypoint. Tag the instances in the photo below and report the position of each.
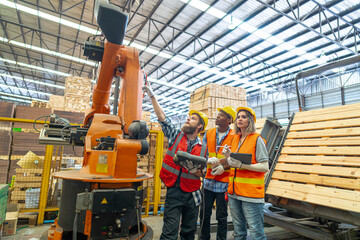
(211, 144)
(244, 182)
(170, 171)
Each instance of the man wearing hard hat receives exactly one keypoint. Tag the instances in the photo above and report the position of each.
(183, 195)
(217, 178)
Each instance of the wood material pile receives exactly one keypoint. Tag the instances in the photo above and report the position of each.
(56, 102)
(320, 160)
(77, 94)
(39, 104)
(212, 96)
(26, 191)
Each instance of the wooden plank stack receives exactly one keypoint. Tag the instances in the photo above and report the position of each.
(39, 104)
(27, 187)
(77, 94)
(260, 124)
(320, 160)
(56, 102)
(212, 96)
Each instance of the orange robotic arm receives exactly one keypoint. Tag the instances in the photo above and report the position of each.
(121, 61)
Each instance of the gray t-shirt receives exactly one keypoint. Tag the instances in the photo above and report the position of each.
(261, 156)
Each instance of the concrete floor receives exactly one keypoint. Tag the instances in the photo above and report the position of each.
(155, 222)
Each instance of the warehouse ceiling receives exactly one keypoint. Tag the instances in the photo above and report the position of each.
(183, 44)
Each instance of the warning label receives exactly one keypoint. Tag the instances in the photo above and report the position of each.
(104, 201)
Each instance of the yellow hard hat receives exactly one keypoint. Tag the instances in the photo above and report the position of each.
(249, 109)
(202, 115)
(229, 110)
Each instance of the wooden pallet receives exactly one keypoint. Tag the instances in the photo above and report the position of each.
(320, 160)
(260, 124)
(24, 180)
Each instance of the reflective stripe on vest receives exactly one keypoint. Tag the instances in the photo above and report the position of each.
(183, 174)
(246, 180)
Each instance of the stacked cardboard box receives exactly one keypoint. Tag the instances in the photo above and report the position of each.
(7, 111)
(77, 94)
(10, 223)
(212, 96)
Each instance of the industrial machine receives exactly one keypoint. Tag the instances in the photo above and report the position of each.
(103, 199)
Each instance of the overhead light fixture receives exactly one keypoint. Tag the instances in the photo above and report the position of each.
(24, 89)
(199, 5)
(49, 52)
(33, 81)
(15, 99)
(23, 97)
(164, 108)
(49, 17)
(234, 22)
(35, 67)
(186, 89)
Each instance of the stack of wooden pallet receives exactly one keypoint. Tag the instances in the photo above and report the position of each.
(77, 94)
(6, 110)
(320, 160)
(212, 96)
(26, 191)
(39, 104)
(56, 102)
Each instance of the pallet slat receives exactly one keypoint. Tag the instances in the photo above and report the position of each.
(27, 185)
(326, 160)
(340, 132)
(353, 122)
(327, 117)
(343, 108)
(317, 169)
(319, 190)
(316, 179)
(28, 179)
(340, 141)
(316, 199)
(350, 150)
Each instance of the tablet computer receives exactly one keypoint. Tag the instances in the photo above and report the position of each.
(245, 158)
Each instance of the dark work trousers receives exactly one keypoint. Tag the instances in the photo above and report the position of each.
(221, 215)
(179, 204)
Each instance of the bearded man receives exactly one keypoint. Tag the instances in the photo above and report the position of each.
(183, 195)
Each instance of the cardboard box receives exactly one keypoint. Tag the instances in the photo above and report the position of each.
(10, 223)
(27, 219)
